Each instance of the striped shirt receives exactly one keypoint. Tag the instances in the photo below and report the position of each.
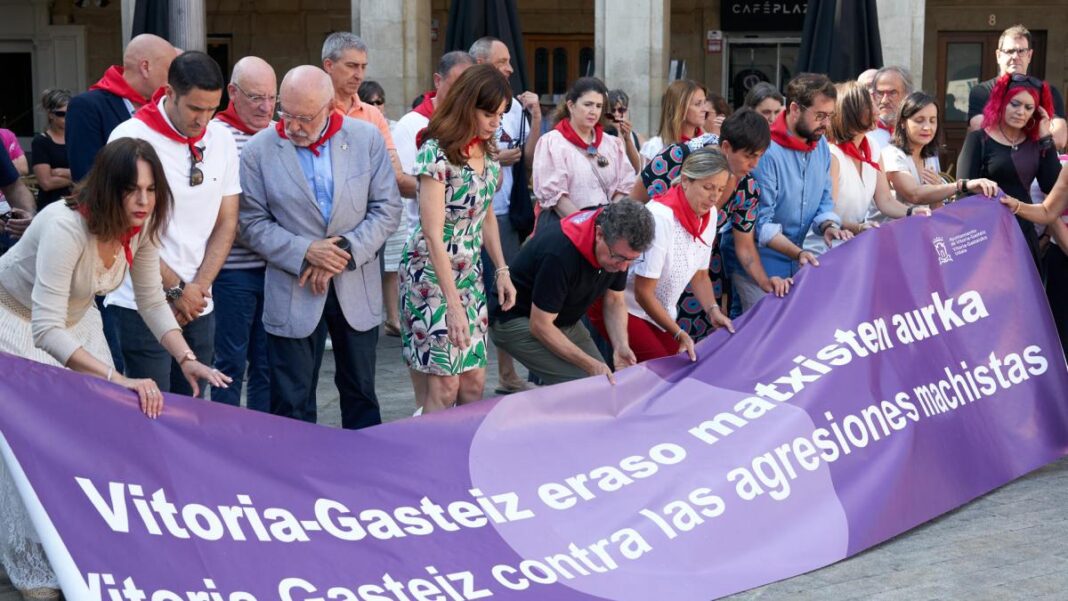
(241, 257)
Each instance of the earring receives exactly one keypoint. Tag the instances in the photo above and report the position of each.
(1031, 122)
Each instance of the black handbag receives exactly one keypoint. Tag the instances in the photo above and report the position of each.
(520, 205)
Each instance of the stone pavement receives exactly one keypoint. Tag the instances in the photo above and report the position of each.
(1009, 544)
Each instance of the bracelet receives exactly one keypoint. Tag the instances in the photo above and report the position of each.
(111, 372)
(1016, 209)
(679, 334)
(501, 270)
(908, 211)
(799, 253)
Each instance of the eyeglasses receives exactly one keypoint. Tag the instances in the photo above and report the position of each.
(624, 259)
(376, 102)
(301, 118)
(821, 116)
(1015, 51)
(257, 98)
(888, 94)
(59, 113)
(196, 176)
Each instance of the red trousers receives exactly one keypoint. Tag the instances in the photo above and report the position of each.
(646, 339)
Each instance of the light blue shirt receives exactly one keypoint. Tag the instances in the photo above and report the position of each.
(319, 174)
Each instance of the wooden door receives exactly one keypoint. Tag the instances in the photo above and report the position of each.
(555, 61)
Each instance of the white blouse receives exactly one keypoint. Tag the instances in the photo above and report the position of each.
(672, 259)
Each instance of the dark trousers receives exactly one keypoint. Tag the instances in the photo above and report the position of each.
(240, 340)
(111, 334)
(145, 357)
(295, 364)
(1056, 264)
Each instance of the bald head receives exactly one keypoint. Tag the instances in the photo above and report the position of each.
(306, 93)
(146, 60)
(254, 91)
(866, 79)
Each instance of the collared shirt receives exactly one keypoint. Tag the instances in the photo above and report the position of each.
(241, 257)
(369, 113)
(319, 174)
(196, 208)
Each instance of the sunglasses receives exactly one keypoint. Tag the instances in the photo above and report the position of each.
(1030, 80)
(376, 102)
(59, 113)
(196, 176)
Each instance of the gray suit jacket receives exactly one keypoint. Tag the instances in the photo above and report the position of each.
(280, 219)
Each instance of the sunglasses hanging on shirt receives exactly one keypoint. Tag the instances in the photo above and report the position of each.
(196, 176)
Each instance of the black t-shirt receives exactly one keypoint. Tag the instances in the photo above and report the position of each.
(46, 152)
(980, 95)
(550, 273)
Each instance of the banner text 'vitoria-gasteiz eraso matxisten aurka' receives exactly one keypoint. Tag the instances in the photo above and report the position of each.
(916, 368)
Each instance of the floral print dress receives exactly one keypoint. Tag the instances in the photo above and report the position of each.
(424, 334)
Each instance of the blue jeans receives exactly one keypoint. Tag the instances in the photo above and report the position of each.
(145, 357)
(240, 340)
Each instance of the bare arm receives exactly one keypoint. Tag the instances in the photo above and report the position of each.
(1055, 204)
(1058, 128)
(49, 178)
(406, 183)
(564, 206)
(219, 243)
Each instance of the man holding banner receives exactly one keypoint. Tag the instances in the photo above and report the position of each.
(558, 275)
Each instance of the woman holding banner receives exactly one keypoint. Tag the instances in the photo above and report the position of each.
(1015, 146)
(685, 219)
(72, 252)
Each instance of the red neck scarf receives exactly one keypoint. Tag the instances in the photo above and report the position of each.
(581, 229)
(861, 153)
(114, 83)
(153, 117)
(683, 138)
(332, 127)
(231, 118)
(475, 141)
(124, 239)
(879, 123)
(675, 198)
(781, 136)
(569, 133)
(426, 107)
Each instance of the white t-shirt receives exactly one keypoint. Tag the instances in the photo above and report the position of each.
(196, 208)
(672, 259)
(508, 137)
(894, 159)
(404, 138)
(651, 148)
(856, 197)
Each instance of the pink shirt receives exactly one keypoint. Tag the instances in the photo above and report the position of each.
(11, 143)
(562, 168)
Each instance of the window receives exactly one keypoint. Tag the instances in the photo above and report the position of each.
(558, 60)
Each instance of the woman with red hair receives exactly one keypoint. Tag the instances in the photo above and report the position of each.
(1014, 147)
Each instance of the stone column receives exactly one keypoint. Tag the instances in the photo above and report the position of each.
(901, 24)
(397, 33)
(188, 25)
(127, 10)
(632, 49)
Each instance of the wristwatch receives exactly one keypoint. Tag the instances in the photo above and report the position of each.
(174, 293)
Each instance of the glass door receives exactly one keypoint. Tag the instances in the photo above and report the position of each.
(749, 61)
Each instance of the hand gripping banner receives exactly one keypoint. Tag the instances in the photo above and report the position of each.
(915, 369)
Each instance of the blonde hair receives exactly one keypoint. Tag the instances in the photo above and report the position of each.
(673, 105)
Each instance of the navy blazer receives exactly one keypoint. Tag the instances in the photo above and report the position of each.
(90, 118)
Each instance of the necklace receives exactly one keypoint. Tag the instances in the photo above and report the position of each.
(1015, 145)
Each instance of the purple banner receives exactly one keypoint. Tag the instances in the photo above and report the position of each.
(917, 368)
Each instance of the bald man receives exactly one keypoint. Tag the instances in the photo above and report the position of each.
(121, 91)
(240, 340)
(320, 199)
(93, 115)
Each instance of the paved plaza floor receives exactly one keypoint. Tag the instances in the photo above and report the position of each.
(1009, 544)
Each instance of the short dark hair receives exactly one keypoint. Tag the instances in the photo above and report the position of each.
(629, 220)
(914, 103)
(113, 176)
(193, 69)
(746, 130)
(370, 88)
(452, 59)
(761, 92)
(804, 88)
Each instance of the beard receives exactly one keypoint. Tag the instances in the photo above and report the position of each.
(808, 134)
